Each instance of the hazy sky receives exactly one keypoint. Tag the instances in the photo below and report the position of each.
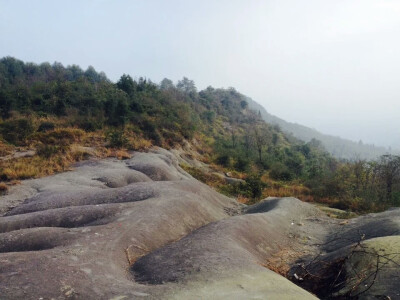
(332, 65)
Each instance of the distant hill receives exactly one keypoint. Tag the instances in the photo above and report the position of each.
(337, 146)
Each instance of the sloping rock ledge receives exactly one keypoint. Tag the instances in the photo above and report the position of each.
(144, 228)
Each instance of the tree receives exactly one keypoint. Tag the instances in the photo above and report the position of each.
(255, 186)
(166, 84)
(92, 75)
(5, 104)
(60, 107)
(127, 84)
(316, 144)
(248, 142)
(262, 137)
(244, 104)
(233, 136)
(275, 139)
(187, 86)
(116, 108)
(74, 72)
(359, 168)
(389, 172)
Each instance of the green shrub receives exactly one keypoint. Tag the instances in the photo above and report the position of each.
(46, 126)
(208, 115)
(150, 130)
(224, 160)
(16, 131)
(116, 138)
(395, 201)
(254, 186)
(242, 164)
(62, 136)
(48, 151)
(280, 172)
(90, 125)
(172, 138)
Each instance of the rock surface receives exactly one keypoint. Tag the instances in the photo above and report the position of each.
(144, 228)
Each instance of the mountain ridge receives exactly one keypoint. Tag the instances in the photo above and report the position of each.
(337, 146)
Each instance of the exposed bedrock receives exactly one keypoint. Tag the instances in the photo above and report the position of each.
(240, 242)
(144, 228)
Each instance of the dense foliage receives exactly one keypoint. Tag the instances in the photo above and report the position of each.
(227, 133)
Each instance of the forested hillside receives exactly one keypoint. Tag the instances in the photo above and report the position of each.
(338, 147)
(66, 114)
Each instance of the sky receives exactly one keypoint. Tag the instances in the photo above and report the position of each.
(332, 65)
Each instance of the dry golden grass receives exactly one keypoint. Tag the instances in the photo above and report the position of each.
(60, 136)
(104, 152)
(95, 139)
(280, 262)
(5, 149)
(37, 166)
(57, 149)
(287, 189)
(31, 167)
(3, 188)
(203, 144)
(292, 191)
(237, 174)
(210, 179)
(242, 199)
(122, 154)
(138, 143)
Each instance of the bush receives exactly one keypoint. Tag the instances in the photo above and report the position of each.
(116, 139)
(242, 164)
(265, 164)
(16, 131)
(280, 172)
(62, 136)
(48, 151)
(3, 188)
(90, 125)
(224, 160)
(155, 136)
(254, 186)
(46, 126)
(343, 204)
(5, 149)
(150, 130)
(172, 138)
(209, 116)
(395, 201)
